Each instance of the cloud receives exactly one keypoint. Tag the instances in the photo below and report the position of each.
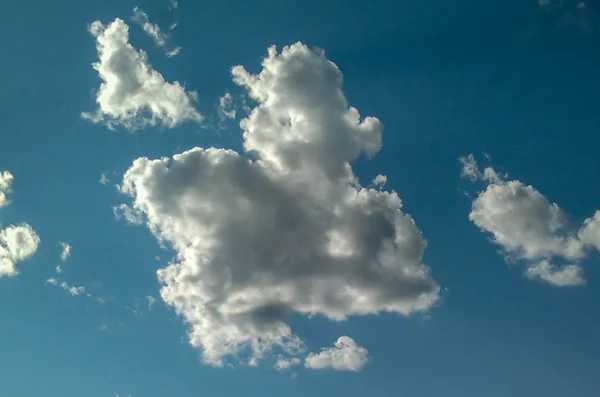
(380, 180)
(567, 276)
(151, 301)
(58, 269)
(346, 355)
(103, 179)
(66, 251)
(528, 227)
(285, 363)
(6, 180)
(132, 94)
(71, 289)
(590, 231)
(17, 243)
(290, 231)
(153, 30)
(226, 107)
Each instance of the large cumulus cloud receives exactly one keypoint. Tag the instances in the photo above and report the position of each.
(285, 229)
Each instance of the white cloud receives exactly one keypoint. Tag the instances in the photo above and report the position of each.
(151, 29)
(566, 276)
(173, 52)
(285, 363)
(103, 179)
(226, 107)
(71, 289)
(590, 231)
(6, 180)
(380, 180)
(346, 355)
(132, 94)
(66, 251)
(17, 243)
(289, 232)
(528, 227)
(58, 269)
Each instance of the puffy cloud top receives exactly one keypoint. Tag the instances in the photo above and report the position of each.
(346, 355)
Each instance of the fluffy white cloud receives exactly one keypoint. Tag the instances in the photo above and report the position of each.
(346, 355)
(132, 94)
(523, 222)
(528, 227)
(6, 180)
(66, 251)
(17, 243)
(290, 231)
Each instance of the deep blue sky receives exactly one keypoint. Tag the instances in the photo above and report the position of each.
(445, 78)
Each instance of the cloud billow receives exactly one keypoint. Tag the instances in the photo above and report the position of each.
(290, 230)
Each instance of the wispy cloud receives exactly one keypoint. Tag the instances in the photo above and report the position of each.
(154, 31)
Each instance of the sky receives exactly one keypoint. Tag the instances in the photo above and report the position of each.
(299, 198)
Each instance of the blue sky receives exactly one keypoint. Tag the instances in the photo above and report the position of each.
(269, 256)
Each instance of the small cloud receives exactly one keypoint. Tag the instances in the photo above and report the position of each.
(283, 364)
(566, 276)
(66, 251)
(153, 30)
(103, 179)
(346, 355)
(132, 94)
(70, 289)
(380, 181)
(17, 243)
(58, 269)
(6, 180)
(174, 52)
(226, 107)
(151, 301)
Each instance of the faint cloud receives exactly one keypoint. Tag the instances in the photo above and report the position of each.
(103, 179)
(66, 251)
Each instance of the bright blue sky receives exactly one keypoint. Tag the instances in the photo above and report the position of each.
(445, 78)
